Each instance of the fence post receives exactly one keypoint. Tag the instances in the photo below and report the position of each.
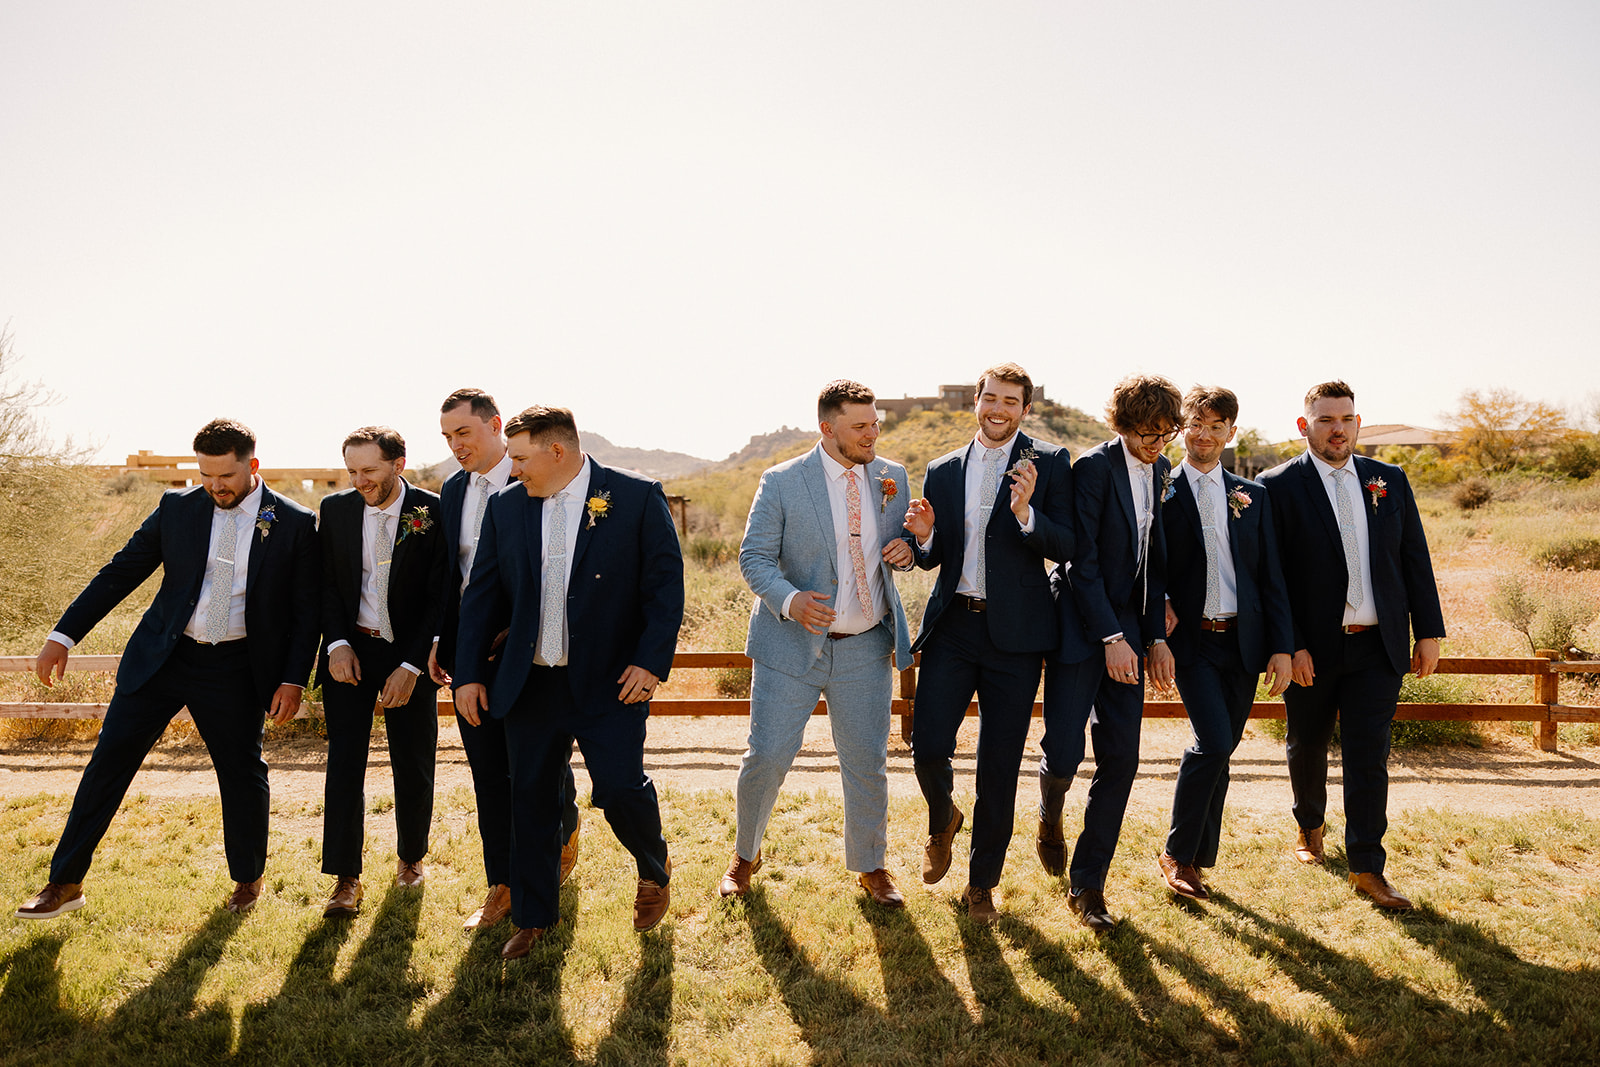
(1547, 691)
(908, 692)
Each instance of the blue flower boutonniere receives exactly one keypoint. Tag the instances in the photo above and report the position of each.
(1169, 486)
(265, 518)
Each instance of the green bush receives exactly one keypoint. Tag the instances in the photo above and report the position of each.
(1572, 553)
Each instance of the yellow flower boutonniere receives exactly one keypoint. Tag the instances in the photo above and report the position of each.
(598, 507)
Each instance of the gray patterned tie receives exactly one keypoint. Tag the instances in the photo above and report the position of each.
(383, 552)
(1208, 528)
(1347, 534)
(483, 505)
(552, 623)
(986, 495)
(221, 603)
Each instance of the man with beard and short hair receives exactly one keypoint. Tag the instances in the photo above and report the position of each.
(1360, 582)
(820, 551)
(992, 512)
(230, 635)
(1110, 600)
(384, 561)
(470, 422)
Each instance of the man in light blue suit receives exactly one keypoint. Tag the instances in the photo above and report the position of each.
(820, 550)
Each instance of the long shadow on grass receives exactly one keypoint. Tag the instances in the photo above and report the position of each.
(159, 1023)
(504, 1012)
(641, 1033)
(918, 993)
(31, 1014)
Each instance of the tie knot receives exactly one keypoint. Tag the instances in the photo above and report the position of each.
(559, 497)
(483, 481)
(993, 455)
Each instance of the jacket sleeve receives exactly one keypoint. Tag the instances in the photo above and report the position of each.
(305, 601)
(660, 585)
(1416, 568)
(1269, 582)
(335, 624)
(126, 571)
(432, 618)
(485, 608)
(762, 544)
(1053, 536)
(1092, 491)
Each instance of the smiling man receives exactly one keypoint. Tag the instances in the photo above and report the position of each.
(1360, 582)
(230, 635)
(992, 513)
(384, 561)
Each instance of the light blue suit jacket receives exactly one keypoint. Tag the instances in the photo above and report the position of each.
(789, 545)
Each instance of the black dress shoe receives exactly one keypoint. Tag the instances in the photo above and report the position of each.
(1089, 905)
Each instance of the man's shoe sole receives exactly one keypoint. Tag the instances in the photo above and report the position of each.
(72, 905)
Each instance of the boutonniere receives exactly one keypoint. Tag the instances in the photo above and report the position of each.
(1026, 456)
(598, 507)
(887, 486)
(265, 518)
(415, 521)
(1377, 489)
(1238, 500)
(1169, 487)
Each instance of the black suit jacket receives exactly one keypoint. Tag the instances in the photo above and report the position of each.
(416, 571)
(1264, 626)
(1022, 617)
(1103, 591)
(1313, 560)
(281, 590)
(624, 598)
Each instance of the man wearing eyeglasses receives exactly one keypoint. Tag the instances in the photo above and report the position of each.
(1109, 599)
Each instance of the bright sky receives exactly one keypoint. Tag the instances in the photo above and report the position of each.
(681, 218)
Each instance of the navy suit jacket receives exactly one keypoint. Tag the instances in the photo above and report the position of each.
(281, 590)
(624, 598)
(1263, 624)
(1102, 592)
(451, 496)
(1022, 617)
(416, 571)
(1314, 568)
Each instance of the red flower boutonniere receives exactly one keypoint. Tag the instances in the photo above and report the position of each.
(1238, 500)
(598, 507)
(887, 486)
(415, 521)
(1377, 489)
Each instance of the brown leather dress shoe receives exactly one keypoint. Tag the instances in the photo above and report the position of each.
(569, 852)
(1308, 846)
(54, 899)
(980, 905)
(1378, 888)
(520, 943)
(345, 900)
(496, 906)
(881, 888)
(1182, 878)
(1089, 905)
(936, 853)
(650, 902)
(736, 882)
(1052, 848)
(408, 875)
(245, 895)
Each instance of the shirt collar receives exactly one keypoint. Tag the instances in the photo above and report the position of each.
(1136, 466)
(983, 446)
(578, 488)
(393, 510)
(499, 475)
(1196, 476)
(250, 505)
(836, 470)
(1324, 468)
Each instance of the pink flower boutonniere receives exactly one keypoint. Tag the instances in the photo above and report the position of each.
(599, 506)
(887, 486)
(415, 521)
(1377, 489)
(1238, 500)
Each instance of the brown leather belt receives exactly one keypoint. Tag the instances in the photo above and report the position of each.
(369, 632)
(1358, 628)
(839, 637)
(1220, 626)
(972, 603)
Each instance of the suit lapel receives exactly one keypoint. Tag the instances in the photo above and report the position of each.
(1367, 504)
(1185, 499)
(258, 543)
(586, 528)
(1121, 485)
(1230, 482)
(815, 476)
(1319, 499)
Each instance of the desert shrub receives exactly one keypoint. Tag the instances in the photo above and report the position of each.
(1546, 613)
(1575, 458)
(1437, 689)
(1570, 553)
(707, 550)
(1472, 494)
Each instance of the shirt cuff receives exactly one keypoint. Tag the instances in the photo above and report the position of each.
(298, 685)
(926, 546)
(62, 639)
(341, 643)
(1027, 527)
(410, 668)
(784, 614)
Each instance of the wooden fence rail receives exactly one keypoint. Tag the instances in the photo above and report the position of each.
(1545, 708)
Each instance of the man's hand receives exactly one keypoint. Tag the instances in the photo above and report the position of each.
(1162, 667)
(1122, 664)
(1172, 619)
(285, 703)
(52, 660)
(397, 688)
(898, 554)
(807, 609)
(1280, 671)
(471, 700)
(344, 666)
(1425, 657)
(436, 672)
(638, 684)
(919, 519)
(1302, 671)
(1024, 476)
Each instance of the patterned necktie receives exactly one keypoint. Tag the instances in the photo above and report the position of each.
(221, 603)
(483, 505)
(552, 623)
(1347, 534)
(1208, 529)
(986, 495)
(383, 553)
(858, 561)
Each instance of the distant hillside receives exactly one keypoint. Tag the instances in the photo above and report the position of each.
(656, 462)
(784, 439)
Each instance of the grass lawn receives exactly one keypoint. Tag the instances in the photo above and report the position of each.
(1284, 965)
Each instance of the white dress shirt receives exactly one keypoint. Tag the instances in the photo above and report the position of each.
(367, 611)
(1210, 483)
(972, 521)
(850, 619)
(1367, 613)
(576, 501)
(499, 477)
(1142, 481)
